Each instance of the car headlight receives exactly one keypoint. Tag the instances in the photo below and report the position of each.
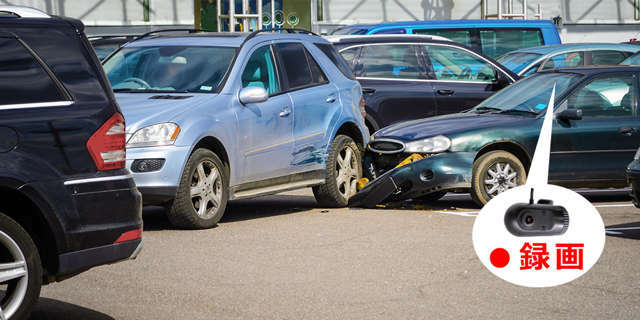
(637, 155)
(430, 145)
(160, 134)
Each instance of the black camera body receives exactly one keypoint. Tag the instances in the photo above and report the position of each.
(539, 219)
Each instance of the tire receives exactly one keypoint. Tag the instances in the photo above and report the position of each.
(431, 197)
(23, 286)
(503, 165)
(188, 210)
(335, 193)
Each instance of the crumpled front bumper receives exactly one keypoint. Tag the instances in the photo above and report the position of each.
(441, 172)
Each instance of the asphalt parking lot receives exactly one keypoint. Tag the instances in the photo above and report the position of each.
(281, 257)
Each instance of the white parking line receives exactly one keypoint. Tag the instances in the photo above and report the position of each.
(475, 213)
(614, 205)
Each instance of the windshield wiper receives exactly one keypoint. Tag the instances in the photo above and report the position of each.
(148, 91)
(486, 109)
(518, 111)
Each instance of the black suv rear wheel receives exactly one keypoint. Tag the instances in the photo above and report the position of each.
(20, 270)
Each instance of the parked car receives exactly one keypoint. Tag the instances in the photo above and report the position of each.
(632, 60)
(488, 149)
(67, 203)
(104, 45)
(214, 117)
(633, 178)
(525, 62)
(407, 77)
(492, 38)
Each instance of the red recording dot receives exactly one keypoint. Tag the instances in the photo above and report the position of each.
(499, 258)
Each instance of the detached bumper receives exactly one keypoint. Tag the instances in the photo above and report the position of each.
(442, 172)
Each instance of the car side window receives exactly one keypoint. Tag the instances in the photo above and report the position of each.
(260, 71)
(612, 96)
(450, 63)
(349, 56)
(331, 53)
(607, 57)
(568, 59)
(497, 42)
(456, 35)
(390, 61)
(22, 78)
(299, 67)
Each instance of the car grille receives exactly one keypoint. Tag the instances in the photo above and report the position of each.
(386, 146)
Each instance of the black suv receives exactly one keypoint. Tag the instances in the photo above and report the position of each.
(406, 77)
(67, 203)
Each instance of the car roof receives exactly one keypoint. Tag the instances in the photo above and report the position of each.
(595, 69)
(556, 48)
(460, 23)
(350, 38)
(20, 15)
(222, 39)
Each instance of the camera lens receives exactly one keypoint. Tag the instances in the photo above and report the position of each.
(528, 220)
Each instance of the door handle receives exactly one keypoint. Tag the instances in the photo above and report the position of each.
(331, 98)
(368, 90)
(627, 130)
(445, 92)
(286, 111)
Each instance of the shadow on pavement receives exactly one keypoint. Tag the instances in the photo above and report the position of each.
(617, 195)
(626, 230)
(50, 309)
(262, 207)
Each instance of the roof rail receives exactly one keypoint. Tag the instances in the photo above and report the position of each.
(150, 33)
(288, 30)
(23, 12)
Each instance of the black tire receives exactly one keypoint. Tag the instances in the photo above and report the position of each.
(182, 210)
(22, 293)
(431, 197)
(480, 190)
(331, 194)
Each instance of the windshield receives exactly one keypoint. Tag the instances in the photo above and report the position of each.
(633, 60)
(169, 69)
(529, 95)
(517, 61)
(343, 31)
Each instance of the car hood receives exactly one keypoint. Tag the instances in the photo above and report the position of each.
(449, 125)
(143, 109)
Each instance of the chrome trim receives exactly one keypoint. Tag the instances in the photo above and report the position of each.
(433, 44)
(425, 80)
(136, 252)
(100, 179)
(274, 189)
(36, 105)
(338, 38)
(24, 12)
(593, 151)
(387, 140)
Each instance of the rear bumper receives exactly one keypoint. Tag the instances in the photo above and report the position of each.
(74, 262)
(441, 172)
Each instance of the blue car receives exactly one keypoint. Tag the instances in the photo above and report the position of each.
(492, 38)
(525, 62)
(215, 117)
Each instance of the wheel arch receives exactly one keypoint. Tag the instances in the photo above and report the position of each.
(216, 146)
(353, 131)
(510, 146)
(31, 217)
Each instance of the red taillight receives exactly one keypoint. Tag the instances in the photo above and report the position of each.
(362, 109)
(107, 145)
(129, 235)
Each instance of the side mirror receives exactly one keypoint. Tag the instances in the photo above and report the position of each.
(569, 114)
(501, 80)
(252, 95)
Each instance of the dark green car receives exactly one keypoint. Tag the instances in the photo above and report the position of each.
(488, 149)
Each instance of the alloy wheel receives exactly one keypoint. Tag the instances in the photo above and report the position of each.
(206, 189)
(13, 276)
(347, 172)
(499, 178)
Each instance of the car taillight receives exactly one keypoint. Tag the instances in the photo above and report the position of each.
(361, 106)
(107, 145)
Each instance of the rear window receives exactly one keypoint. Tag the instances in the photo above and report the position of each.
(496, 42)
(457, 35)
(300, 69)
(331, 53)
(22, 78)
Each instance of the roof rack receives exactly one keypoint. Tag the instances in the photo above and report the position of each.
(288, 30)
(150, 33)
(23, 12)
